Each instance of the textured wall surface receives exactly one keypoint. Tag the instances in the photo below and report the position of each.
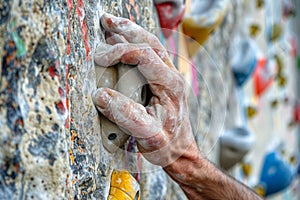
(50, 141)
(50, 145)
(34, 141)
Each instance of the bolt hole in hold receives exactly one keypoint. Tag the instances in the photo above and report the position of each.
(112, 136)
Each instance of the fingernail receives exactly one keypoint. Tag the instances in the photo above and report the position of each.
(107, 20)
(101, 98)
(107, 15)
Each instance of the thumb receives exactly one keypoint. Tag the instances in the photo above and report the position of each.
(126, 113)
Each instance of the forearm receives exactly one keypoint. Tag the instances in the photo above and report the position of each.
(200, 179)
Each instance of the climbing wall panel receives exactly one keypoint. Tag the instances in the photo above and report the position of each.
(50, 136)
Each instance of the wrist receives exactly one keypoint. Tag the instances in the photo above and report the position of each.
(187, 169)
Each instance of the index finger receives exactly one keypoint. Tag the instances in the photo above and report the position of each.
(126, 113)
(133, 33)
(159, 76)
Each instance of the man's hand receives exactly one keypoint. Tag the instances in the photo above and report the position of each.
(162, 128)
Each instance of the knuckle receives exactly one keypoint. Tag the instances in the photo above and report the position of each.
(147, 49)
(152, 38)
(118, 47)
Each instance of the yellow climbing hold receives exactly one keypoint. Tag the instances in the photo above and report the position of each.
(274, 103)
(260, 190)
(293, 160)
(123, 186)
(259, 3)
(279, 63)
(275, 32)
(282, 81)
(251, 112)
(197, 33)
(247, 169)
(254, 30)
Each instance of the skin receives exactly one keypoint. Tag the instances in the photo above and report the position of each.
(162, 128)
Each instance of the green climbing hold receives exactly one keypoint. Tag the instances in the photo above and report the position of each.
(21, 50)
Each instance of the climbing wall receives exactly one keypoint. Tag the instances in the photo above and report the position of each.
(50, 141)
(34, 156)
(50, 146)
(215, 84)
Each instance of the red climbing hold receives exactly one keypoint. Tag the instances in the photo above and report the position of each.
(170, 14)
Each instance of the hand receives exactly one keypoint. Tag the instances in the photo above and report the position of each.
(162, 128)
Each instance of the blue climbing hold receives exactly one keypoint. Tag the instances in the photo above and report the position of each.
(244, 60)
(276, 174)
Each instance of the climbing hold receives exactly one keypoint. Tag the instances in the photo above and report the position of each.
(279, 63)
(263, 77)
(288, 8)
(128, 81)
(251, 111)
(170, 13)
(234, 145)
(293, 46)
(204, 18)
(123, 186)
(293, 160)
(112, 136)
(276, 173)
(297, 113)
(132, 84)
(244, 60)
(281, 80)
(260, 190)
(273, 26)
(274, 32)
(247, 169)
(254, 30)
(274, 103)
(260, 3)
(21, 50)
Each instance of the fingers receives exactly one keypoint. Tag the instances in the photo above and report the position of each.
(129, 30)
(126, 113)
(162, 80)
(128, 53)
(98, 56)
(134, 34)
(113, 38)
